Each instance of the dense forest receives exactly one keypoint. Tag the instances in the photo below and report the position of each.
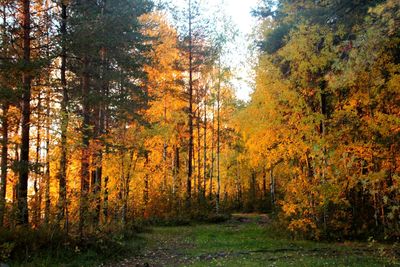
(116, 113)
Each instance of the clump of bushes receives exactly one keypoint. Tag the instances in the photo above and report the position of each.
(26, 245)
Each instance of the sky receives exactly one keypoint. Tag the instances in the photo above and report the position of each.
(239, 12)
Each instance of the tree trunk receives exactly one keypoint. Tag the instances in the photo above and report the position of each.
(218, 136)
(97, 158)
(264, 185)
(84, 172)
(121, 188)
(176, 171)
(190, 115)
(205, 148)
(4, 162)
(238, 187)
(127, 181)
(253, 189)
(99, 125)
(198, 154)
(146, 188)
(165, 145)
(37, 198)
(23, 218)
(212, 152)
(272, 187)
(62, 175)
(15, 186)
(105, 200)
(47, 167)
(4, 141)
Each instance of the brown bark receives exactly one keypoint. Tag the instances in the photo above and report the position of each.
(99, 130)
(175, 170)
(272, 186)
(62, 175)
(4, 162)
(47, 165)
(85, 154)
(205, 148)
(218, 136)
(264, 185)
(37, 197)
(146, 187)
(127, 181)
(190, 115)
(212, 152)
(198, 153)
(4, 141)
(105, 200)
(26, 115)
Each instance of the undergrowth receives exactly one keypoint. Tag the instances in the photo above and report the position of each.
(50, 246)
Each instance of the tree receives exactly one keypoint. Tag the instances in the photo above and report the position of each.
(110, 68)
(303, 97)
(26, 112)
(190, 110)
(165, 113)
(62, 174)
(6, 93)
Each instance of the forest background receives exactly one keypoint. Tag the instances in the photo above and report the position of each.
(119, 113)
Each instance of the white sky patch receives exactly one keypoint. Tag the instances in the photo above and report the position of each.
(240, 13)
(240, 10)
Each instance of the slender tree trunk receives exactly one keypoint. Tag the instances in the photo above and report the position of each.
(146, 188)
(238, 187)
(37, 206)
(121, 188)
(15, 186)
(97, 157)
(127, 181)
(218, 136)
(194, 160)
(165, 145)
(324, 112)
(212, 151)
(205, 148)
(176, 171)
(62, 175)
(47, 167)
(190, 113)
(4, 141)
(272, 187)
(264, 185)
(253, 190)
(105, 200)
(97, 183)
(100, 118)
(86, 132)
(23, 218)
(198, 154)
(4, 162)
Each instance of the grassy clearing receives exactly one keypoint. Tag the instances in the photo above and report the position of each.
(246, 240)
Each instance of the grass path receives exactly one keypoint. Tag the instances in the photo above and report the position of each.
(243, 241)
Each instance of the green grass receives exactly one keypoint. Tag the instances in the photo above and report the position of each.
(250, 244)
(245, 240)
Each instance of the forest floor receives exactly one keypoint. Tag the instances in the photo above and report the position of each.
(247, 240)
